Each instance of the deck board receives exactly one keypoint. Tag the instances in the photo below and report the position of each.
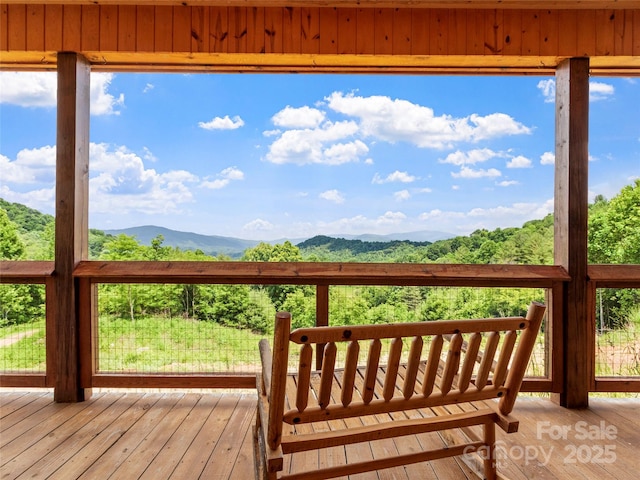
(180, 435)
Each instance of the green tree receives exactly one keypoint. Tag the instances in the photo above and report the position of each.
(97, 239)
(18, 303)
(156, 251)
(302, 308)
(122, 247)
(285, 252)
(231, 305)
(614, 237)
(121, 299)
(614, 228)
(11, 247)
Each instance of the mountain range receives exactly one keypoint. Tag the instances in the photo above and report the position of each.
(234, 247)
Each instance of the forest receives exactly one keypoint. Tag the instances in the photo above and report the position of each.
(614, 237)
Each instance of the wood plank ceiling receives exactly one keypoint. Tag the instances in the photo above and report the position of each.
(339, 37)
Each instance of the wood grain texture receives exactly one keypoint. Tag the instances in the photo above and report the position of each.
(72, 207)
(570, 231)
(123, 36)
(216, 430)
(35, 27)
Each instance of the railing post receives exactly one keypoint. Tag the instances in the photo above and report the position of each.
(72, 212)
(322, 317)
(50, 332)
(88, 327)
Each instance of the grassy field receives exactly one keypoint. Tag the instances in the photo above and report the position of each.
(22, 347)
(160, 345)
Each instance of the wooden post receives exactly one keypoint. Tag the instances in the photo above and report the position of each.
(50, 319)
(570, 226)
(72, 212)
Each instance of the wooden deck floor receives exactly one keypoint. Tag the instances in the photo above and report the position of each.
(156, 436)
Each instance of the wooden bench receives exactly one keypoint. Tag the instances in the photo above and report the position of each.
(412, 379)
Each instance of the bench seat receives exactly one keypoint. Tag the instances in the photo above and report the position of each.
(449, 388)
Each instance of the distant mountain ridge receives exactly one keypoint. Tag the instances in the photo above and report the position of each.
(209, 244)
(234, 247)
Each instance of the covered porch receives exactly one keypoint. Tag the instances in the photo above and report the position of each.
(74, 429)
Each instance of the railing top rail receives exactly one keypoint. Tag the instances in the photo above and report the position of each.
(613, 276)
(12, 271)
(321, 273)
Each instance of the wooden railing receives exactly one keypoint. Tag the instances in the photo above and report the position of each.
(299, 273)
(38, 273)
(610, 276)
(91, 273)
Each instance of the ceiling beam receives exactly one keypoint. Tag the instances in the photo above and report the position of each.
(463, 4)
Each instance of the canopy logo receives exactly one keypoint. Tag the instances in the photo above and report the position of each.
(570, 444)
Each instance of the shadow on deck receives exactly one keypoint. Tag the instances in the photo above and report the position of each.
(123, 435)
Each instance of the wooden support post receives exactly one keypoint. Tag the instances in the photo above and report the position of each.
(72, 212)
(570, 230)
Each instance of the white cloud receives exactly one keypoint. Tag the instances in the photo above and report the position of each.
(495, 125)
(517, 210)
(507, 183)
(29, 89)
(31, 166)
(400, 120)
(232, 173)
(392, 218)
(224, 178)
(439, 215)
(597, 90)
(548, 89)
(471, 157)
(600, 91)
(548, 158)
(41, 199)
(124, 184)
(39, 89)
(397, 176)
(466, 172)
(148, 87)
(328, 144)
(490, 218)
(222, 123)
(102, 102)
(361, 224)
(402, 195)
(519, 162)
(332, 196)
(148, 156)
(302, 117)
(310, 138)
(425, 190)
(258, 225)
(344, 152)
(119, 181)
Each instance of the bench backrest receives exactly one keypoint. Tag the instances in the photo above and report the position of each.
(428, 364)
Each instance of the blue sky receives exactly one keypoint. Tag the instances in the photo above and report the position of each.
(263, 156)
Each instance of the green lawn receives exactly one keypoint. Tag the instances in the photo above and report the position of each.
(160, 345)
